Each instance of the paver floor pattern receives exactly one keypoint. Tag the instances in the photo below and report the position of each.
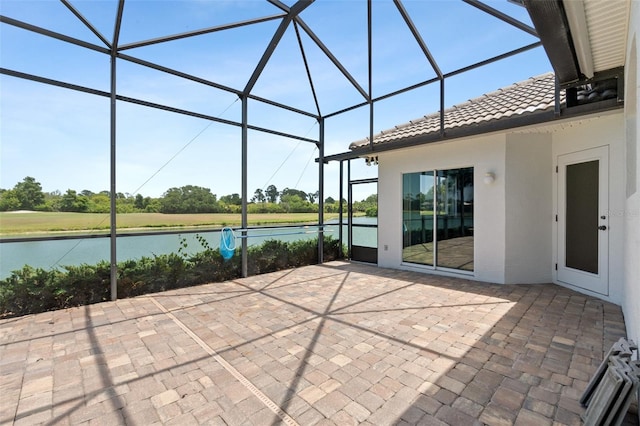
(337, 343)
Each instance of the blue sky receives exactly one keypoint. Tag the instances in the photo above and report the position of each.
(61, 137)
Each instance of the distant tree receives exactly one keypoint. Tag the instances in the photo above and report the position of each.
(9, 200)
(125, 206)
(265, 208)
(86, 193)
(232, 200)
(30, 194)
(295, 204)
(153, 206)
(140, 202)
(51, 201)
(290, 191)
(272, 193)
(331, 205)
(72, 202)
(100, 203)
(189, 199)
(258, 196)
(370, 205)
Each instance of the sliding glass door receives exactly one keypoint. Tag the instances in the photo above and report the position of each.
(417, 214)
(438, 218)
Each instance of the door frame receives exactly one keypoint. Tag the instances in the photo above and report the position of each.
(593, 282)
(356, 252)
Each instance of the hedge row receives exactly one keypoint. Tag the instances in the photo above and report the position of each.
(32, 290)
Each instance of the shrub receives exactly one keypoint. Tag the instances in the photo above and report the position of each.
(272, 255)
(32, 290)
(84, 284)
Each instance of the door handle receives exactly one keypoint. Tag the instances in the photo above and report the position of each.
(602, 227)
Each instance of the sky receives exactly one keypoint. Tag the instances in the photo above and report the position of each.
(61, 137)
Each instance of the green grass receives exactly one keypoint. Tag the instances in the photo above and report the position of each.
(39, 223)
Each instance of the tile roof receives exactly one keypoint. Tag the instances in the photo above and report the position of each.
(536, 94)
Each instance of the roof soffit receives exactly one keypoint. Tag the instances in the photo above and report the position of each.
(607, 23)
(593, 31)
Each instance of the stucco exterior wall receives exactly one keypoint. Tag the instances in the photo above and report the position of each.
(484, 154)
(529, 210)
(631, 280)
(515, 234)
(604, 130)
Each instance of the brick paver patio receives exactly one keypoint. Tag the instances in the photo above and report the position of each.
(336, 344)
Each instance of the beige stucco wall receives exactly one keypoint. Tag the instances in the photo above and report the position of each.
(484, 154)
(631, 279)
(515, 231)
(529, 212)
(515, 235)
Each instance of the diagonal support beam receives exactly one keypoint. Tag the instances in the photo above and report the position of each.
(306, 66)
(275, 40)
(333, 59)
(502, 16)
(283, 7)
(52, 34)
(86, 22)
(199, 32)
(117, 26)
(418, 37)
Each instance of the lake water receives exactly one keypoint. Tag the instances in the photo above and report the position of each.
(57, 253)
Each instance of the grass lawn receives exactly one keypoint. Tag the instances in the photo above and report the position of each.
(38, 223)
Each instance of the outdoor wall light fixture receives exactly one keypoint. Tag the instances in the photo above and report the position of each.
(489, 177)
(371, 160)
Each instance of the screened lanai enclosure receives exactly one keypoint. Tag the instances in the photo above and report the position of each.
(137, 97)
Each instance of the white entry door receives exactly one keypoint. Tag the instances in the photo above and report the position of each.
(583, 219)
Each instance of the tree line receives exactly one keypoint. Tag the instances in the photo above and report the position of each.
(28, 195)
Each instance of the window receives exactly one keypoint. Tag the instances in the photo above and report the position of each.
(437, 217)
